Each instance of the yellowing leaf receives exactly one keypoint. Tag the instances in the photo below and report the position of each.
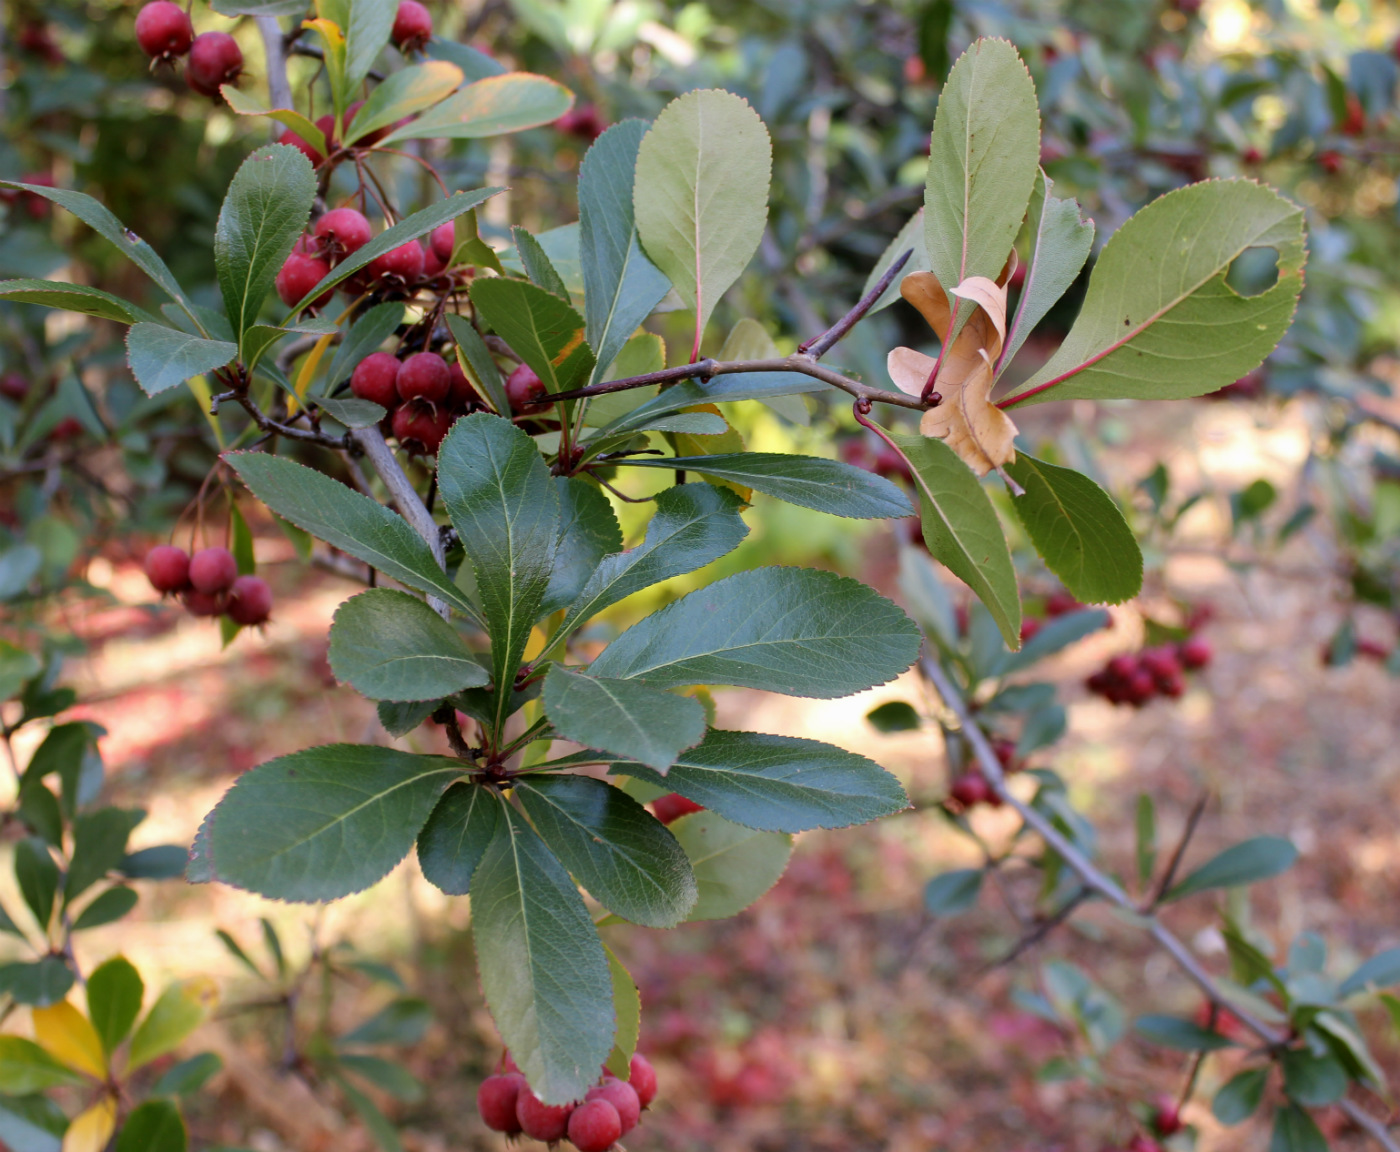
(69, 1037)
(91, 1130)
(180, 1010)
(980, 433)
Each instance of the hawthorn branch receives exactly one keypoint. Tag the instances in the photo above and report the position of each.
(279, 89)
(817, 348)
(1097, 881)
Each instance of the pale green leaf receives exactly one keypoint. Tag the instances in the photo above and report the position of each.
(909, 239)
(627, 1005)
(245, 105)
(161, 357)
(403, 93)
(73, 298)
(494, 106)
(733, 865)
(114, 992)
(26, 1068)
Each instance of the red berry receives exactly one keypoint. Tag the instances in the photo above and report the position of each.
(1167, 1119)
(1141, 687)
(1162, 664)
(66, 429)
(462, 395)
(642, 1076)
(621, 1096)
(1141, 1143)
(433, 267)
(1122, 667)
(374, 379)
(1005, 752)
(299, 275)
(343, 231)
(424, 376)
(168, 568)
(1252, 155)
(526, 391)
(291, 139)
(443, 239)
(584, 122)
(14, 385)
(163, 30)
(1059, 603)
(673, 806)
(496, 1100)
(420, 427)
(1029, 628)
(1330, 162)
(1372, 649)
(594, 1126)
(541, 1121)
(1194, 653)
(890, 463)
(199, 603)
(971, 788)
(1355, 122)
(249, 601)
(404, 264)
(215, 59)
(413, 26)
(213, 570)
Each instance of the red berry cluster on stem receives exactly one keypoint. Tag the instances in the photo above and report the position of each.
(208, 584)
(1137, 678)
(165, 33)
(608, 1111)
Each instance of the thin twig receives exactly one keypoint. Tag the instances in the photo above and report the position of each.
(1174, 864)
(818, 347)
(1042, 929)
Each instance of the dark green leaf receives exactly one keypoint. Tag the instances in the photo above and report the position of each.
(588, 531)
(324, 822)
(778, 783)
(161, 357)
(38, 810)
(402, 717)
(1343, 1037)
(351, 413)
(693, 525)
(953, 892)
(236, 951)
(389, 645)
(70, 752)
(365, 336)
(1146, 828)
(264, 211)
(793, 630)
(962, 531)
(733, 865)
(188, 1076)
(163, 862)
(827, 485)
(273, 943)
(40, 983)
(1310, 1080)
(388, 1077)
(155, 1126)
(8, 926)
(505, 507)
(346, 520)
(622, 717)
(621, 286)
(401, 1021)
(616, 849)
(37, 876)
(111, 905)
(456, 836)
(31, 1124)
(1171, 1032)
(26, 1068)
(1238, 1100)
(894, 716)
(537, 265)
(1381, 971)
(114, 992)
(99, 846)
(1258, 859)
(73, 298)
(1078, 530)
(1294, 1131)
(539, 326)
(541, 963)
(481, 367)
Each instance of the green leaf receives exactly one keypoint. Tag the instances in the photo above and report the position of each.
(612, 846)
(402, 717)
(733, 865)
(962, 531)
(588, 531)
(1246, 863)
(389, 645)
(368, 1111)
(258, 7)
(111, 905)
(1342, 1035)
(1060, 243)
(778, 783)
(622, 717)
(31, 1124)
(627, 1006)
(401, 1021)
(693, 525)
(1294, 1131)
(1159, 321)
(188, 1076)
(1171, 1032)
(16, 666)
(829, 486)
(953, 893)
(456, 836)
(1239, 1099)
(346, 520)
(729, 386)
(1078, 530)
(1145, 825)
(894, 716)
(1379, 971)
(365, 336)
(245, 105)
(273, 943)
(542, 966)
(537, 265)
(114, 992)
(539, 326)
(910, 239)
(73, 298)
(403, 93)
(161, 357)
(97, 217)
(480, 367)
(474, 64)
(1055, 635)
(1310, 1080)
(621, 286)
(505, 507)
(983, 159)
(37, 877)
(26, 1068)
(99, 846)
(385, 1075)
(263, 214)
(792, 630)
(324, 822)
(163, 862)
(40, 983)
(409, 228)
(511, 102)
(351, 413)
(367, 31)
(927, 596)
(700, 194)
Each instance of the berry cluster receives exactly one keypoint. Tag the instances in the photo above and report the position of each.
(1056, 604)
(164, 32)
(972, 788)
(1161, 671)
(583, 121)
(608, 1111)
(208, 584)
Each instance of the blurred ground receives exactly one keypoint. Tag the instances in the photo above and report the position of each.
(835, 1014)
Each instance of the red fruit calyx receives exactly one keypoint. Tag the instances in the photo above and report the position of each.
(421, 428)
(642, 1077)
(413, 26)
(594, 1126)
(213, 571)
(249, 601)
(541, 1121)
(673, 806)
(403, 264)
(343, 231)
(163, 30)
(215, 60)
(168, 568)
(374, 379)
(496, 1100)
